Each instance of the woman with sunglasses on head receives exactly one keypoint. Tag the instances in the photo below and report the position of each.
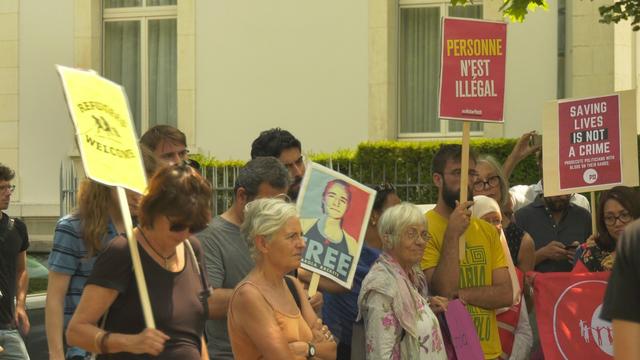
(616, 209)
(177, 204)
(78, 239)
(270, 316)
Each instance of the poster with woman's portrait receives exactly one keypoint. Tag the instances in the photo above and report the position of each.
(334, 212)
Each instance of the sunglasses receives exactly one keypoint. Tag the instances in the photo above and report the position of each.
(180, 227)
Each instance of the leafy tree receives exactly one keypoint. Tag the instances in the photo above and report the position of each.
(621, 10)
(515, 10)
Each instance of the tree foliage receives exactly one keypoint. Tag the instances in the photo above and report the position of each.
(622, 10)
(516, 10)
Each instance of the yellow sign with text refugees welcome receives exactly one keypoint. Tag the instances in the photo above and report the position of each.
(104, 131)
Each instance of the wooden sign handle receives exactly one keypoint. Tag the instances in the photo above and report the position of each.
(313, 284)
(594, 218)
(464, 177)
(135, 259)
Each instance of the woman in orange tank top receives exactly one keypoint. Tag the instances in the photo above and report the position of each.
(266, 319)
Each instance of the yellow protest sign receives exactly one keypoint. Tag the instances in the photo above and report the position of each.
(105, 133)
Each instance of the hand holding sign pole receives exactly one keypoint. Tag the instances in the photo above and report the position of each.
(109, 149)
(472, 78)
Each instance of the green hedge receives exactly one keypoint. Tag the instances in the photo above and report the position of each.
(407, 164)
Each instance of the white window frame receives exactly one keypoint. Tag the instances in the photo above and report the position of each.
(143, 14)
(444, 124)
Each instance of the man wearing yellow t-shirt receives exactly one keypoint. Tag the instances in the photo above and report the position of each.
(481, 280)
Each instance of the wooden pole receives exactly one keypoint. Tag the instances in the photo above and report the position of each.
(464, 176)
(313, 284)
(135, 259)
(594, 228)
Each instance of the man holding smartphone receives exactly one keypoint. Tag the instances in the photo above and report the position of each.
(557, 227)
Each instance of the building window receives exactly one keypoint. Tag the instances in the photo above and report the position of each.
(140, 53)
(419, 45)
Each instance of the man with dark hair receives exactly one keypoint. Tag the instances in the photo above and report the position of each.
(14, 280)
(481, 281)
(557, 227)
(167, 143)
(226, 252)
(282, 145)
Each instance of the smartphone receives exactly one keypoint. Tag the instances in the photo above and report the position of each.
(535, 140)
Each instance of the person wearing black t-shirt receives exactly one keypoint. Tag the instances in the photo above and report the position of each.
(623, 295)
(14, 281)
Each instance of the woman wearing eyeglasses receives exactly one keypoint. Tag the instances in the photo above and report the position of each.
(398, 318)
(177, 204)
(492, 183)
(616, 209)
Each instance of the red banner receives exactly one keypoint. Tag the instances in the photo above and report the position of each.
(472, 70)
(589, 142)
(568, 309)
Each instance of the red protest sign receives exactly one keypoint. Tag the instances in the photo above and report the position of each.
(589, 142)
(568, 309)
(472, 73)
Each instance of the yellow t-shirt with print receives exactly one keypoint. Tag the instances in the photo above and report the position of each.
(483, 255)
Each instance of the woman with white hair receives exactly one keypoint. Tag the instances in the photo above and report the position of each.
(398, 314)
(269, 314)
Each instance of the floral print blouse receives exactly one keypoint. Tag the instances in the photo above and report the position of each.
(398, 321)
(595, 258)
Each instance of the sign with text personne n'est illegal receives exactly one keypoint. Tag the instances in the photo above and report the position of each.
(104, 131)
(590, 144)
(472, 73)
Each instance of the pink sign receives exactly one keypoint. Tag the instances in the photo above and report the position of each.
(589, 142)
(463, 333)
(473, 70)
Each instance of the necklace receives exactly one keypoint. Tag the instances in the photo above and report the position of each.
(165, 258)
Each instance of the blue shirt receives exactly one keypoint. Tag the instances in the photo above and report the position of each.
(69, 256)
(340, 310)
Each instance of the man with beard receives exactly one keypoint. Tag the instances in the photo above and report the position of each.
(557, 227)
(481, 281)
(282, 145)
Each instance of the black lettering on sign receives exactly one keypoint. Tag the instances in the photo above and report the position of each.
(328, 259)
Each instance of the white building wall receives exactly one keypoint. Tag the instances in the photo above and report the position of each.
(531, 71)
(45, 129)
(299, 65)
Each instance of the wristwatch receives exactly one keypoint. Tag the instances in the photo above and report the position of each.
(312, 351)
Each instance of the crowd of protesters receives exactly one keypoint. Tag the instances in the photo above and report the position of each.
(231, 286)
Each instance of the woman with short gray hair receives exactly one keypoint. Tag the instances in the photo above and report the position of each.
(269, 314)
(398, 314)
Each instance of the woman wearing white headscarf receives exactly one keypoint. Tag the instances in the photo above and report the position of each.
(516, 344)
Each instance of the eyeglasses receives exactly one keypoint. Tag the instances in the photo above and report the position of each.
(413, 235)
(180, 227)
(10, 188)
(486, 184)
(624, 218)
